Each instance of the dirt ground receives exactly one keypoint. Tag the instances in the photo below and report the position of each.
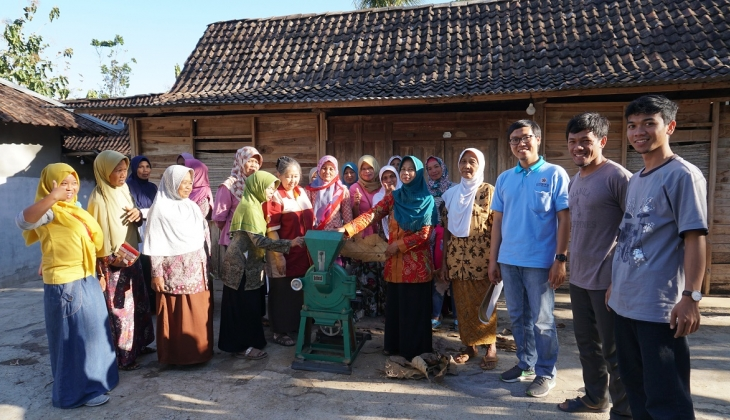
(227, 387)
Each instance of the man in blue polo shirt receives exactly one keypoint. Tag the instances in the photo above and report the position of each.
(530, 206)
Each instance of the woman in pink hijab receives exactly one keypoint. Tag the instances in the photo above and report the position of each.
(329, 197)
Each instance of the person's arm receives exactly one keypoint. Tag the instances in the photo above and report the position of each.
(346, 208)
(35, 211)
(221, 206)
(410, 241)
(355, 197)
(280, 245)
(277, 258)
(366, 219)
(685, 316)
(447, 237)
(495, 276)
(556, 276)
(158, 281)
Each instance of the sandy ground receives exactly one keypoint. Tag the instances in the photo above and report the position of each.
(227, 387)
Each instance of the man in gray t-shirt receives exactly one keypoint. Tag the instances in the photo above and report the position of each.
(596, 202)
(658, 266)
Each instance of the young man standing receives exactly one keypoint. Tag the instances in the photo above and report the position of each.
(530, 205)
(597, 196)
(658, 267)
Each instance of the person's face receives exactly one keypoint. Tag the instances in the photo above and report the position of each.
(389, 181)
(394, 163)
(143, 170)
(469, 165)
(349, 176)
(585, 148)
(72, 187)
(119, 174)
(290, 178)
(270, 190)
(527, 150)
(186, 186)
(648, 133)
(367, 172)
(251, 166)
(434, 169)
(327, 172)
(407, 172)
(181, 160)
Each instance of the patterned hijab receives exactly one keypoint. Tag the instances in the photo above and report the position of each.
(201, 184)
(174, 224)
(374, 184)
(438, 187)
(237, 181)
(352, 166)
(143, 191)
(459, 200)
(327, 197)
(107, 203)
(249, 215)
(413, 206)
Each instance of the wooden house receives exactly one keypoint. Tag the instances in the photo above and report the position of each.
(436, 79)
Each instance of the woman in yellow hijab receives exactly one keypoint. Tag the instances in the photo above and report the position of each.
(126, 294)
(83, 362)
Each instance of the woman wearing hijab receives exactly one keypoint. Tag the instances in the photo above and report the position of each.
(389, 180)
(83, 362)
(364, 189)
(395, 160)
(126, 295)
(248, 160)
(349, 174)
(241, 330)
(468, 226)
(175, 241)
(143, 193)
(330, 199)
(409, 268)
(312, 174)
(289, 215)
(182, 157)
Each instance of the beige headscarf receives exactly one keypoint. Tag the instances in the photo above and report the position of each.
(107, 203)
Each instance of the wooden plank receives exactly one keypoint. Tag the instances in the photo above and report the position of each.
(238, 136)
(134, 145)
(712, 181)
(219, 145)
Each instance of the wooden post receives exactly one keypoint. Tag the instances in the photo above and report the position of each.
(134, 145)
(707, 281)
(624, 138)
(321, 134)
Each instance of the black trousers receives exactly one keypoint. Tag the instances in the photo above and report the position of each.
(594, 334)
(655, 369)
(241, 325)
(408, 319)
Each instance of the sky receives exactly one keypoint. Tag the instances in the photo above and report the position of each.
(157, 33)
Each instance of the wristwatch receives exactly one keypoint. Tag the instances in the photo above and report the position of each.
(561, 257)
(694, 294)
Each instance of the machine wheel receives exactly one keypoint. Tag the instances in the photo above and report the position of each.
(332, 331)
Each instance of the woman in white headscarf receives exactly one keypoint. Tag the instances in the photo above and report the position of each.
(175, 240)
(467, 219)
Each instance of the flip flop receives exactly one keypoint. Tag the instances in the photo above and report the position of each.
(461, 358)
(489, 363)
(247, 354)
(283, 340)
(577, 405)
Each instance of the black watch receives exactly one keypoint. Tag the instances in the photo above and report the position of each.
(561, 257)
(694, 294)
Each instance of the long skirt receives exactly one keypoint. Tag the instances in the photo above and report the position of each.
(241, 325)
(468, 296)
(185, 328)
(83, 362)
(129, 308)
(285, 305)
(408, 319)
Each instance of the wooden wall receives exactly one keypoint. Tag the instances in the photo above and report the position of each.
(422, 135)
(720, 232)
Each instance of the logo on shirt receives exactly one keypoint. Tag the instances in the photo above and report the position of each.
(543, 183)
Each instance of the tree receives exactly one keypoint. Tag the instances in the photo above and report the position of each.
(178, 70)
(370, 4)
(115, 74)
(22, 61)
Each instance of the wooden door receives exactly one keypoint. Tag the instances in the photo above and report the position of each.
(421, 149)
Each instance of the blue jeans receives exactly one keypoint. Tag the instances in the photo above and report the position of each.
(530, 304)
(437, 302)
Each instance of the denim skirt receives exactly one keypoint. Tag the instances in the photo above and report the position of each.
(83, 361)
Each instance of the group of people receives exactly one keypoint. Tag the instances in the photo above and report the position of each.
(631, 314)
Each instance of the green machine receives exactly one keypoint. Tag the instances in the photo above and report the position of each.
(328, 290)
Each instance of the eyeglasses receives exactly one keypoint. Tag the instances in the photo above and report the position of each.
(524, 139)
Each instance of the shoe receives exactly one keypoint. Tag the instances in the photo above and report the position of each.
(97, 401)
(516, 374)
(456, 325)
(540, 387)
(435, 324)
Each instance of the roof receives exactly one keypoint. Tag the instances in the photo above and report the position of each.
(23, 106)
(90, 143)
(451, 50)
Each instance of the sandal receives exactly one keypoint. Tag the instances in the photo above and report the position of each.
(133, 366)
(489, 363)
(148, 350)
(265, 322)
(577, 405)
(461, 358)
(283, 340)
(249, 356)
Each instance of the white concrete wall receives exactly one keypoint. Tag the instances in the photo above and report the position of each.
(24, 151)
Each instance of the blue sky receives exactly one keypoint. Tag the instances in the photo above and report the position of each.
(158, 33)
